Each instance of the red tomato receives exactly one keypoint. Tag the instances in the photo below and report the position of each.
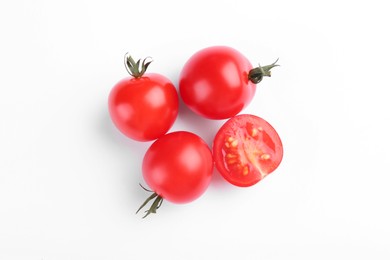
(218, 82)
(178, 168)
(144, 106)
(246, 149)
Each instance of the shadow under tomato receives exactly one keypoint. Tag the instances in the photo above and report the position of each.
(203, 127)
(218, 182)
(127, 171)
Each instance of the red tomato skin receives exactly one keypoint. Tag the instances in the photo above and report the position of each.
(270, 143)
(178, 167)
(214, 82)
(144, 108)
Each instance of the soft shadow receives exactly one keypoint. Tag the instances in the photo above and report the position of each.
(129, 154)
(218, 182)
(203, 127)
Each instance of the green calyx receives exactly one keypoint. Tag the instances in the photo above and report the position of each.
(136, 69)
(257, 74)
(158, 200)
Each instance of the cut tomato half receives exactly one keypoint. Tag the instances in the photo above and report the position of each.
(246, 149)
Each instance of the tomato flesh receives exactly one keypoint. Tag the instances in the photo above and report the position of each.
(246, 149)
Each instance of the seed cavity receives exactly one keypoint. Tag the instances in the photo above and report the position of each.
(231, 142)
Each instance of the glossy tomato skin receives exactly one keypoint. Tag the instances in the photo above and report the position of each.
(144, 108)
(178, 167)
(214, 82)
(246, 149)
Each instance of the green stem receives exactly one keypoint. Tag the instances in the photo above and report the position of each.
(256, 74)
(136, 69)
(158, 200)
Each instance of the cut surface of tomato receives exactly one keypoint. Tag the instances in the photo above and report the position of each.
(246, 149)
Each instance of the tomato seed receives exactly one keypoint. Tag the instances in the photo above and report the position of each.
(232, 161)
(230, 155)
(245, 171)
(254, 132)
(234, 143)
(265, 156)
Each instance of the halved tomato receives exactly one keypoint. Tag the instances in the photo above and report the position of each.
(246, 149)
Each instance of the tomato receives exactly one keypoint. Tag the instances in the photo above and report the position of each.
(177, 167)
(218, 82)
(246, 149)
(144, 106)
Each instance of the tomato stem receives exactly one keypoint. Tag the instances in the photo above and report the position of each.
(136, 69)
(158, 200)
(257, 74)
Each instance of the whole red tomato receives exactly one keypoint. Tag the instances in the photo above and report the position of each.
(246, 149)
(177, 167)
(145, 105)
(218, 82)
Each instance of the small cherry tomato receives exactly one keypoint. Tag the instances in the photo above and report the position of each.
(177, 167)
(144, 106)
(218, 82)
(246, 149)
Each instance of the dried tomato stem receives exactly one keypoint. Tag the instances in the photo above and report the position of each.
(257, 74)
(136, 69)
(158, 200)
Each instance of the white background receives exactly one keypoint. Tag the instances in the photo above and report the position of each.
(69, 180)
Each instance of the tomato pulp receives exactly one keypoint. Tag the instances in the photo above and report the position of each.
(246, 149)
